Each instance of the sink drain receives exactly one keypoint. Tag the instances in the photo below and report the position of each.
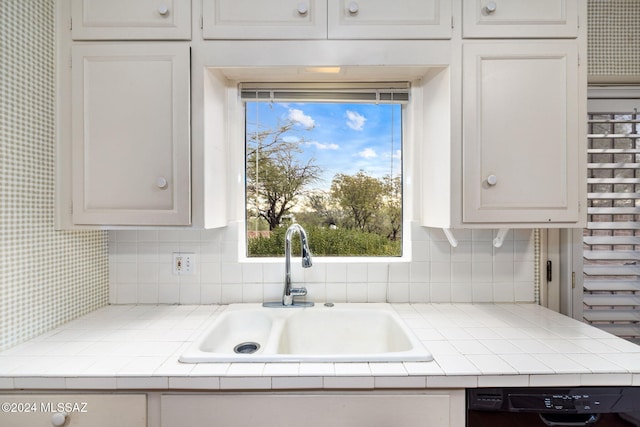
(246, 348)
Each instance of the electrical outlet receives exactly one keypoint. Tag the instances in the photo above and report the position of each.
(184, 263)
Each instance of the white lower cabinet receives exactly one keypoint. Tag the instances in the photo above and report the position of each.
(432, 408)
(73, 410)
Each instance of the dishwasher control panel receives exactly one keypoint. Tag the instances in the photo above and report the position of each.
(557, 402)
(575, 400)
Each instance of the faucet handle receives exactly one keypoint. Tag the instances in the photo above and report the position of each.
(298, 292)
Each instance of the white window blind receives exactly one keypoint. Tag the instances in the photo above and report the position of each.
(612, 237)
(378, 93)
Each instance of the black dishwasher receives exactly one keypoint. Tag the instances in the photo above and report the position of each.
(556, 406)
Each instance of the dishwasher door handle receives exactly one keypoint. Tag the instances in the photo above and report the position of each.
(563, 420)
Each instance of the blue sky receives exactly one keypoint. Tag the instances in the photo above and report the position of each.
(342, 138)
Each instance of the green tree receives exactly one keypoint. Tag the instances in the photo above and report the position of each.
(361, 196)
(276, 176)
(324, 208)
(392, 207)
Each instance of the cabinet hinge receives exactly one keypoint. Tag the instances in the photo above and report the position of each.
(70, 24)
(452, 22)
(573, 280)
(201, 22)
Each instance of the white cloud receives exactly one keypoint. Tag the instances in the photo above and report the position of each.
(397, 154)
(355, 121)
(298, 116)
(321, 146)
(368, 153)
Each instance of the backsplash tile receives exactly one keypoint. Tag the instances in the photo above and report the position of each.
(47, 277)
(474, 271)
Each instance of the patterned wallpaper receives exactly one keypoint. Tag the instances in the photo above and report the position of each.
(614, 38)
(47, 277)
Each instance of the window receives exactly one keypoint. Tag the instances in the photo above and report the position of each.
(611, 240)
(329, 158)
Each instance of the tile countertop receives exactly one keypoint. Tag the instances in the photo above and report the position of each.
(474, 345)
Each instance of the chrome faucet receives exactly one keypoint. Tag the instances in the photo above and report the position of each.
(289, 292)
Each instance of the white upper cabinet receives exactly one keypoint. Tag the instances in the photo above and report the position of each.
(322, 19)
(131, 20)
(273, 19)
(130, 134)
(381, 19)
(520, 18)
(521, 138)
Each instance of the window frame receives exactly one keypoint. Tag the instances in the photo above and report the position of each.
(410, 112)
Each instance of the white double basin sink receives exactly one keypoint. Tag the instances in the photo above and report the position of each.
(347, 332)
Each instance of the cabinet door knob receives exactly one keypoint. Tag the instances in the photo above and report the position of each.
(492, 180)
(163, 10)
(353, 7)
(491, 7)
(303, 9)
(58, 419)
(162, 182)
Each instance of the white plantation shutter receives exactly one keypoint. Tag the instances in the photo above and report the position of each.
(612, 237)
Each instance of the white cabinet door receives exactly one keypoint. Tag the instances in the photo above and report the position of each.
(82, 410)
(131, 20)
(381, 19)
(439, 408)
(520, 18)
(273, 19)
(521, 133)
(131, 134)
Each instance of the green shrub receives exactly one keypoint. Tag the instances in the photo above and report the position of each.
(327, 242)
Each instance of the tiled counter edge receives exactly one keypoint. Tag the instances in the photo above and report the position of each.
(474, 345)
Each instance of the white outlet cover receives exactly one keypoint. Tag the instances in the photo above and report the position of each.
(184, 263)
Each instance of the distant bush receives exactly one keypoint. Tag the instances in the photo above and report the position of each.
(326, 242)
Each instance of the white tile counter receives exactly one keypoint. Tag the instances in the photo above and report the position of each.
(474, 345)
